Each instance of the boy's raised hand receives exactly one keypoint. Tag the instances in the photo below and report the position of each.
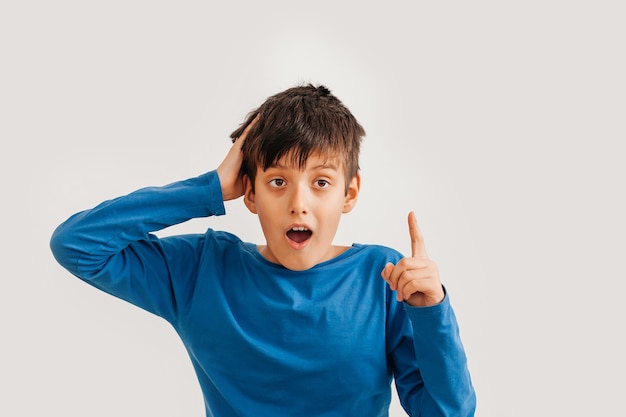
(229, 171)
(416, 278)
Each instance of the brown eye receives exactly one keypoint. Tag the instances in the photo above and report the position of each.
(322, 184)
(277, 182)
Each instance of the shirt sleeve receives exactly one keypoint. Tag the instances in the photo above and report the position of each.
(112, 248)
(430, 366)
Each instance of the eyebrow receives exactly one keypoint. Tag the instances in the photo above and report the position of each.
(327, 165)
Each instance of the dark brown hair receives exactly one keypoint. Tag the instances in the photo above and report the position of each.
(296, 123)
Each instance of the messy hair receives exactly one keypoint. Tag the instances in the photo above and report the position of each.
(296, 123)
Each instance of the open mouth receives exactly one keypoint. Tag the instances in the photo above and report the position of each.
(299, 234)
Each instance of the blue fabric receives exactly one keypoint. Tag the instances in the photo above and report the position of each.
(265, 340)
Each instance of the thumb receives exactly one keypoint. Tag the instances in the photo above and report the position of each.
(386, 272)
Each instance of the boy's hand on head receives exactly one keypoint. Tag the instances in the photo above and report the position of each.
(416, 278)
(229, 171)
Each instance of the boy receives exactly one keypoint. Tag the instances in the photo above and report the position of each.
(297, 326)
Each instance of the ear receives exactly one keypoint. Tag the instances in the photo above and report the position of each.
(353, 193)
(248, 194)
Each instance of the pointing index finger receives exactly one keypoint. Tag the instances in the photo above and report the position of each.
(418, 248)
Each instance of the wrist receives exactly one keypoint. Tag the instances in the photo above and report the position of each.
(427, 299)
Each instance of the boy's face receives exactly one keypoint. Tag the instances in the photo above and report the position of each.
(299, 209)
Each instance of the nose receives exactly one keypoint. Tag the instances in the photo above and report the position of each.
(298, 200)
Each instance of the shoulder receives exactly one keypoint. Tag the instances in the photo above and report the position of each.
(222, 237)
(220, 241)
(375, 253)
(211, 250)
(209, 242)
(377, 249)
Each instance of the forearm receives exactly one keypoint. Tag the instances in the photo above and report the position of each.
(84, 242)
(442, 361)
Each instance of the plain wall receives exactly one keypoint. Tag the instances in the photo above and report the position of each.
(500, 123)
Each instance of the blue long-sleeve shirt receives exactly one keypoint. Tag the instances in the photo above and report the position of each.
(265, 340)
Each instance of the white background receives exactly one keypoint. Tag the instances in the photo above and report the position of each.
(500, 123)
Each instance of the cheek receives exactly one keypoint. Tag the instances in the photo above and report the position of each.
(265, 205)
(332, 213)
